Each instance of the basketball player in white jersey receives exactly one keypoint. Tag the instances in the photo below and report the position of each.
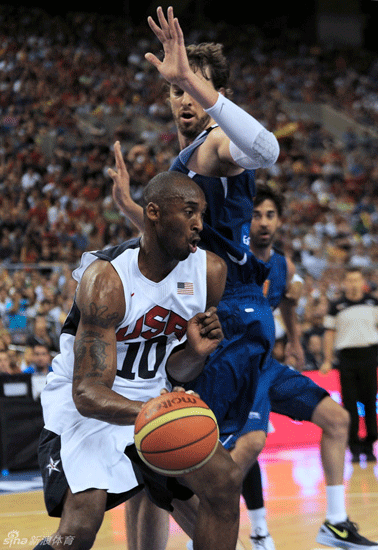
(144, 311)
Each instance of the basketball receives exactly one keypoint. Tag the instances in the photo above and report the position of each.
(176, 433)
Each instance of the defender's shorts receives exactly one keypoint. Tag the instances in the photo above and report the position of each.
(229, 380)
(283, 390)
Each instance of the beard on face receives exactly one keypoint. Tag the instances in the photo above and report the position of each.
(261, 240)
(192, 130)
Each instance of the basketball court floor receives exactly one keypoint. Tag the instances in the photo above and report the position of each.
(294, 493)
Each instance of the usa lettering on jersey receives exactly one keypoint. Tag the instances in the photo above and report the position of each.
(148, 338)
(159, 321)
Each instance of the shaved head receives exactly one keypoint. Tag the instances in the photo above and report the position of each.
(174, 206)
(168, 186)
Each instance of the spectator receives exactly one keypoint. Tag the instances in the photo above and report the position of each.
(30, 178)
(5, 336)
(314, 352)
(5, 364)
(41, 333)
(41, 360)
(8, 364)
(16, 317)
(26, 359)
(5, 301)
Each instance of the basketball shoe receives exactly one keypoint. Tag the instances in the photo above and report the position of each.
(262, 542)
(344, 535)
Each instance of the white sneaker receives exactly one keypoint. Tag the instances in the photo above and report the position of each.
(262, 543)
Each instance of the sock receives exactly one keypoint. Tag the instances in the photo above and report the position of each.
(258, 522)
(189, 545)
(336, 511)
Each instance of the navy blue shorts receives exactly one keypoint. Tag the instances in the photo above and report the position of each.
(229, 380)
(283, 390)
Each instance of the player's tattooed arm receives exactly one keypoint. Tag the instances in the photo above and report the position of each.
(100, 299)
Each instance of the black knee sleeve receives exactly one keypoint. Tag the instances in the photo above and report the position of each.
(252, 488)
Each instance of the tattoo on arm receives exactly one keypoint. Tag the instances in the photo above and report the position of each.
(99, 316)
(90, 345)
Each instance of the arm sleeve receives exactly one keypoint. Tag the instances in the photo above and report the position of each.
(252, 146)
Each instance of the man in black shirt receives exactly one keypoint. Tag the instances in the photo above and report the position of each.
(351, 331)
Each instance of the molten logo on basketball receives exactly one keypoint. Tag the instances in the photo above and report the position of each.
(169, 403)
(176, 433)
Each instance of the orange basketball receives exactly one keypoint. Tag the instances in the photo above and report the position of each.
(176, 433)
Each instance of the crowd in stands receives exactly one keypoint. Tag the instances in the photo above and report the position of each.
(70, 87)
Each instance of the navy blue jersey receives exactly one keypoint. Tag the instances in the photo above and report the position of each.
(275, 284)
(229, 380)
(228, 217)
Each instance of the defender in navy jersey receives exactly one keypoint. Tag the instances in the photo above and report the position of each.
(132, 325)
(233, 146)
(221, 147)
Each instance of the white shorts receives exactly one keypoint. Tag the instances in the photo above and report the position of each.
(92, 452)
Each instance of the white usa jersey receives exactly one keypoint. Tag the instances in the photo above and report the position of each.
(155, 320)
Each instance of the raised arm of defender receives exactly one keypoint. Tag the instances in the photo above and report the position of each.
(246, 143)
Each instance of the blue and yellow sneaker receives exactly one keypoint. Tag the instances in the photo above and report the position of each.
(344, 535)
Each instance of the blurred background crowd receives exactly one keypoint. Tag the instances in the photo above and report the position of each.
(70, 87)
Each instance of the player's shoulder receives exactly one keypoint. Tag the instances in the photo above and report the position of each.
(215, 279)
(100, 297)
(100, 281)
(216, 266)
(280, 258)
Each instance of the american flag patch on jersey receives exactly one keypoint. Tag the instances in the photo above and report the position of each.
(184, 288)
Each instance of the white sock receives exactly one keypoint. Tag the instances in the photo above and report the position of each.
(258, 522)
(189, 545)
(336, 511)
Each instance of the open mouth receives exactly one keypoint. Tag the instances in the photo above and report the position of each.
(186, 116)
(193, 245)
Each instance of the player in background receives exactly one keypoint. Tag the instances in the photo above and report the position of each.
(284, 390)
(128, 330)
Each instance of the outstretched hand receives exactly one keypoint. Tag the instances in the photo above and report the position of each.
(121, 179)
(175, 65)
(121, 190)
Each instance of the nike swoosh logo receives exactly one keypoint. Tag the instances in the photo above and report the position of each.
(236, 261)
(342, 534)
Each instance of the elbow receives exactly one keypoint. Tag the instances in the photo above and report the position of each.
(271, 153)
(83, 401)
